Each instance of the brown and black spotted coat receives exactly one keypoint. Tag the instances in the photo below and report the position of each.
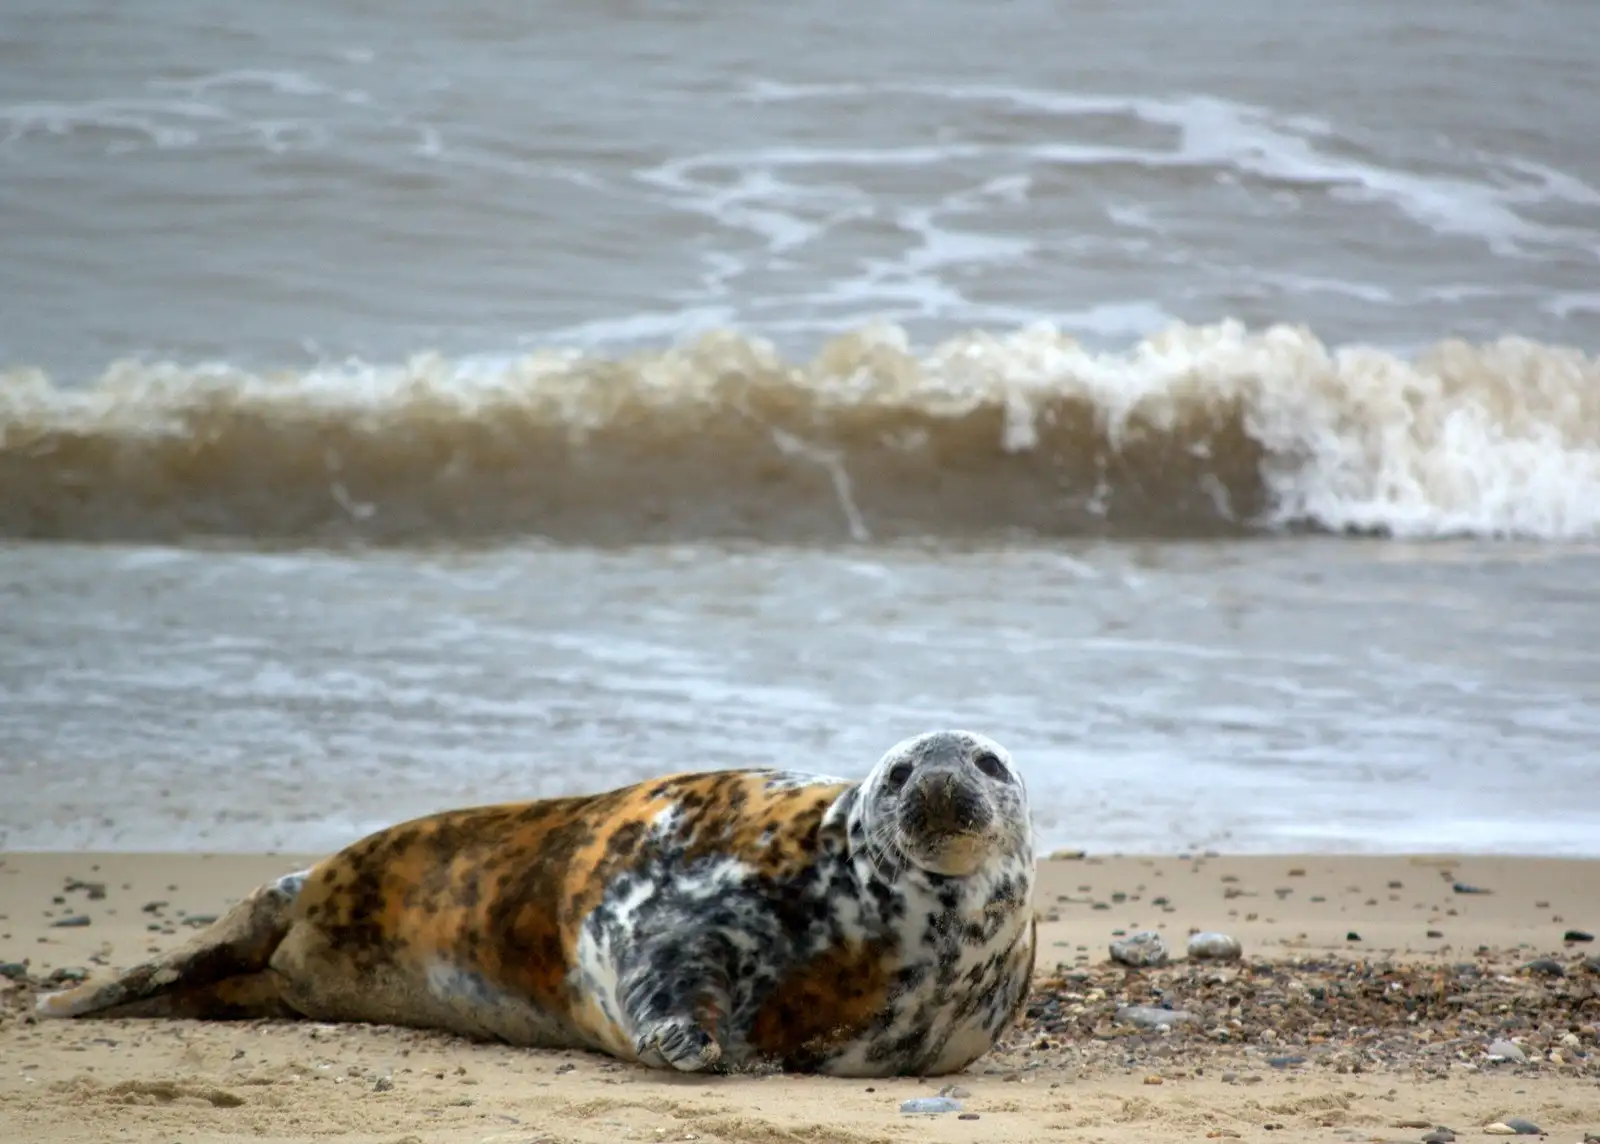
(725, 919)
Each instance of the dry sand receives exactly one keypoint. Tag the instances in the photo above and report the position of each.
(1314, 1036)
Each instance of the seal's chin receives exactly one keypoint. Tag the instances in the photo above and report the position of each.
(951, 855)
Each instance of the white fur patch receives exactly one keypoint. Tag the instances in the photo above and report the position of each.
(795, 780)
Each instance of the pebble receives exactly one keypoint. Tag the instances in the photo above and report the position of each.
(1439, 1135)
(1214, 947)
(954, 1091)
(1547, 966)
(1151, 1016)
(929, 1105)
(1352, 936)
(14, 970)
(382, 1084)
(1577, 935)
(1505, 1050)
(1592, 963)
(1287, 1061)
(1465, 888)
(1523, 1127)
(72, 922)
(967, 1116)
(1140, 949)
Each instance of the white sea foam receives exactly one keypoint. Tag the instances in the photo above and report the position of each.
(1225, 135)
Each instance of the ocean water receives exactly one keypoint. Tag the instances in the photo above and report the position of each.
(403, 407)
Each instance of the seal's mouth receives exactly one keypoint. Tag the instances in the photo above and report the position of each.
(946, 825)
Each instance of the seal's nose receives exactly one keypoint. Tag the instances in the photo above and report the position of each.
(944, 804)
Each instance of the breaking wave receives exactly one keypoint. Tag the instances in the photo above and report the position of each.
(1198, 431)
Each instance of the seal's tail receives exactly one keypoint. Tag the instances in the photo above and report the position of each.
(222, 973)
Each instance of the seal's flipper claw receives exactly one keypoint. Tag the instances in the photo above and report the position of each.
(681, 1043)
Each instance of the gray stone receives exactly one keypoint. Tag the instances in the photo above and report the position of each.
(1505, 1050)
(1523, 1127)
(1214, 947)
(929, 1105)
(1151, 1016)
(1546, 967)
(1140, 949)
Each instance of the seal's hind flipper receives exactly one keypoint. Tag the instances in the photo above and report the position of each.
(220, 974)
(242, 997)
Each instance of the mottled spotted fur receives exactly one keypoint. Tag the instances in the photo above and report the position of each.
(703, 920)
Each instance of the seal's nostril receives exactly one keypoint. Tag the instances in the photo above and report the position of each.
(945, 805)
(970, 812)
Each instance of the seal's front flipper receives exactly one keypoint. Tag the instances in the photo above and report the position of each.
(219, 974)
(679, 1042)
(675, 999)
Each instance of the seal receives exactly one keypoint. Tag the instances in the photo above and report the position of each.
(720, 921)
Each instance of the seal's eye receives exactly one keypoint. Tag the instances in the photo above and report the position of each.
(990, 764)
(899, 774)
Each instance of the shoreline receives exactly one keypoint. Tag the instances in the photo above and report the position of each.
(1311, 1033)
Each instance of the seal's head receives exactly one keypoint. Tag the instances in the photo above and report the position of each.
(946, 801)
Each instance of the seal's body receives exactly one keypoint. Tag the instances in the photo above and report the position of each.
(724, 919)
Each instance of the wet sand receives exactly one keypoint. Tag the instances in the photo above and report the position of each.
(1315, 1035)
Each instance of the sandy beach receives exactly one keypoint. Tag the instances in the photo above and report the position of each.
(1364, 1009)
